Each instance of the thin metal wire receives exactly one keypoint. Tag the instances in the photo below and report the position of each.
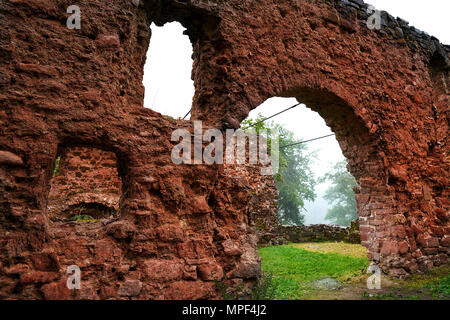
(276, 114)
(272, 116)
(187, 114)
(301, 142)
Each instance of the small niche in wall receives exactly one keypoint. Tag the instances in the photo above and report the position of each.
(85, 187)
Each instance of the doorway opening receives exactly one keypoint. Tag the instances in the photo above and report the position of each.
(314, 185)
(312, 247)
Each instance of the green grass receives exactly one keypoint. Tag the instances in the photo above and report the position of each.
(347, 249)
(436, 282)
(83, 218)
(440, 289)
(392, 295)
(294, 269)
(434, 285)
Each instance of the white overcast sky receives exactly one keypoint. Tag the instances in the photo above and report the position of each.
(169, 88)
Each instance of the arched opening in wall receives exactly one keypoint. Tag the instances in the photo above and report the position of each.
(316, 194)
(314, 185)
(86, 186)
(169, 88)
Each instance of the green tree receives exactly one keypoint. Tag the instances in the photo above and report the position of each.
(295, 181)
(340, 195)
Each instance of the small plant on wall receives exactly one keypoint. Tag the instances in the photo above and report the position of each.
(57, 163)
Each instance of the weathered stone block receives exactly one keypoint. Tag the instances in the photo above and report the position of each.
(131, 288)
(163, 270)
(10, 158)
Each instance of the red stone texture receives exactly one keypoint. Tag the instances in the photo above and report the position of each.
(384, 93)
(86, 182)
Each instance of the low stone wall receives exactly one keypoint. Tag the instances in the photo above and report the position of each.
(320, 232)
(313, 233)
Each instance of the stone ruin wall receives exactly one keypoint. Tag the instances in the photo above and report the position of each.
(85, 182)
(384, 93)
(321, 232)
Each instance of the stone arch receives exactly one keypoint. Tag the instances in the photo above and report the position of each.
(365, 163)
(332, 49)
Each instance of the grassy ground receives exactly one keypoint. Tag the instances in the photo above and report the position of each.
(352, 250)
(434, 285)
(296, 267)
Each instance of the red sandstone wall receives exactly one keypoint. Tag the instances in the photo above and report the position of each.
(379, 91)
(86, 177)
(384, 94)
